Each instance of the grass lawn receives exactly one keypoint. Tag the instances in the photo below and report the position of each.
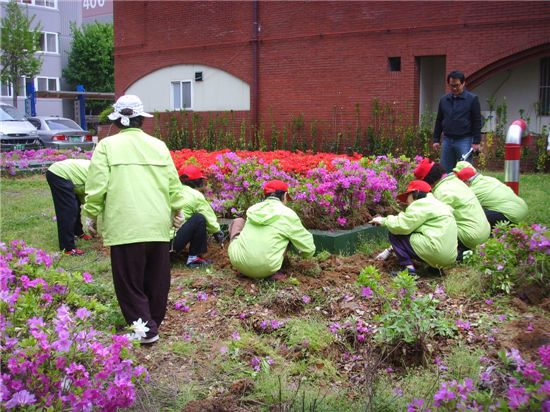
(263, 346)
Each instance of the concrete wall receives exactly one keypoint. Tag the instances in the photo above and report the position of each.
(218, 91)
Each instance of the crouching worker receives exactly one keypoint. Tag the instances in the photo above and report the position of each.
(425, 231)
(67, 180)
(473, 227)
(258, 245)
(200, 219)
(498, 201)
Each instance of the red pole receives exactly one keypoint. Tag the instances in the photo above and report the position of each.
(512, 153)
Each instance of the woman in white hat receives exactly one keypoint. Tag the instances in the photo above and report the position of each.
(134, 186)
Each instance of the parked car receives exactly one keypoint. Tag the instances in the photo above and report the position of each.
(61, 133)
(15, 131)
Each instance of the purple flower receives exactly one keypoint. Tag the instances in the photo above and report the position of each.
(306, 299)
(530, 372)
(489, 302)
(23, 397)
(202, 296)
(236, 336)
(517, 397)
(463, 324)
(255, 363)
(444, 394)
(544, 353)
(366, 292)
(86, 277)
(416, 405)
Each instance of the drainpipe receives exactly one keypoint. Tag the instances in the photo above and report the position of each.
(255, 64)
(512, 154)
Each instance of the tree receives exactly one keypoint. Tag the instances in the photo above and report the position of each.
(18, 45)
(91, 61)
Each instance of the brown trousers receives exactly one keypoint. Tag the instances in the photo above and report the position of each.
(141, 275)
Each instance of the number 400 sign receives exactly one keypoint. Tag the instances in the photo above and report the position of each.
(92, 4)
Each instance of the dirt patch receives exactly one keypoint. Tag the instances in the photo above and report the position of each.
(526, 335)
(218, 404)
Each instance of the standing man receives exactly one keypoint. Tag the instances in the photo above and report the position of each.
(458, 123)
(66, 179)
(133, 184)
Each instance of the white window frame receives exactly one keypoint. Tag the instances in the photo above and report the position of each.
(49, 4)
(48, 79)
(172, 100)
(22, 84)
(45, 34)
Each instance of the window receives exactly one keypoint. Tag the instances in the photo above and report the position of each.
(48, 42)
(50, 84)
(394, 64)
(181, 95)
(544, 95)
(6, 89)
(42, 3)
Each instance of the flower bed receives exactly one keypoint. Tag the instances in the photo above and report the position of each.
(329, 191)
(52, 357)
(24, 160)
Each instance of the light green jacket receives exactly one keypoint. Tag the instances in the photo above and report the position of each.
(133, 184)
(432, 227)
(495, 195)
(195, 202)
(473, 227)
(73, 170)
(259, 250)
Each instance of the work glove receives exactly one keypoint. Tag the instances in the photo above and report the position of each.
(90, 226)
(219, 237)
(178, 220)
(377, 220)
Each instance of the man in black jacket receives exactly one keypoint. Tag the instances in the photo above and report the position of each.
(458, 122)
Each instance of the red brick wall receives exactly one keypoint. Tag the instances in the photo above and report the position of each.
(324, 59)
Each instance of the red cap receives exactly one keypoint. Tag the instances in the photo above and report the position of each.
(191, 172)
(273, 185)
(423, 168)
(419, 185)
(466, 174)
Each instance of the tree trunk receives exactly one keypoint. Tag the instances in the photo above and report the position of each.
(15, 90)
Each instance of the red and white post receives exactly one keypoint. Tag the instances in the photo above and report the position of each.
(512, 153)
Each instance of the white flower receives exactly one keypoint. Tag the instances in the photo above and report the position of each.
(139, 328)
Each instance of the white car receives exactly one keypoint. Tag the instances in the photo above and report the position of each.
(61, 133)
(16, 133)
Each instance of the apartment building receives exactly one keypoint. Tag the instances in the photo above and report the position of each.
(56, 17)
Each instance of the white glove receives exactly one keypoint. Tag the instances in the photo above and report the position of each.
(385, 254)
(90, 226)
(377, 220)
(178, 220)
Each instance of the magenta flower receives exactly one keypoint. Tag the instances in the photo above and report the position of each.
(517, 397)
(544, 353)
(366, 292)
(86, 277)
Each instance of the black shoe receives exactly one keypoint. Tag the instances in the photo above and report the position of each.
(397, 272)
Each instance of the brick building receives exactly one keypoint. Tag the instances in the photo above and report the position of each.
(331, 62)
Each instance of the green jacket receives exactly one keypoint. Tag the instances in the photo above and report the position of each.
(495, 195)
(432, 227)
(473, 227)
(195, 202)
(73, 170)
(259, 250)
(133, 184)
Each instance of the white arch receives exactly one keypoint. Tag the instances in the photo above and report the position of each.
(218, 91)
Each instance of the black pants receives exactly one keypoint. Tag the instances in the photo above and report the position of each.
(494, 217)
(141, 275)
(193, 232)
(67, 210)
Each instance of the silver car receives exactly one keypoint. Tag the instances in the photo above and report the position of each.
(61, 133)
(16, 133)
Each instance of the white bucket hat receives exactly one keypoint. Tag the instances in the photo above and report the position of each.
(128, 101)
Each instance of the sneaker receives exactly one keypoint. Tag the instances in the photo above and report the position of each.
(148, 341)
(198, 263)
(74, 252)
(385, 254)
(85, 237)
(397, 272)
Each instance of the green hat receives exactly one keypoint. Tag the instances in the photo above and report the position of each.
(463, 164)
